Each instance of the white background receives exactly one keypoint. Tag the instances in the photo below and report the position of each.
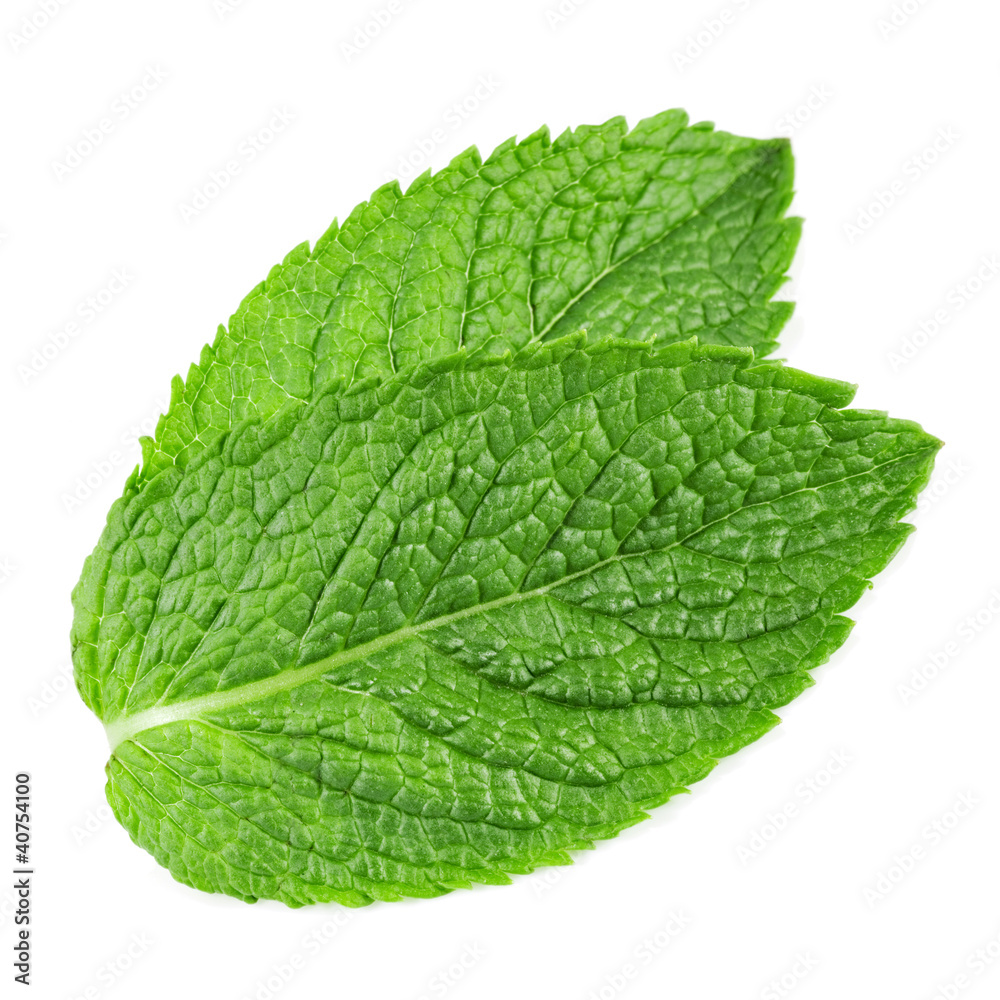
(357, 116)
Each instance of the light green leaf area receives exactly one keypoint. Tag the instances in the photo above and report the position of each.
(453, 625)
(660, 233)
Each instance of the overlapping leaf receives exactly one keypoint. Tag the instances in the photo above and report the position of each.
(450, 625)
(659, 233)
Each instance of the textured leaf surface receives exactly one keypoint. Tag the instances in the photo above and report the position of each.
(453, 625)
(662, 233)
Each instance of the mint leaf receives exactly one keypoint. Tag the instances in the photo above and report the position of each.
(660, 233)
(450, 626)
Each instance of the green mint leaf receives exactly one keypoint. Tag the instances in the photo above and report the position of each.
(660, 233)
(434, 630)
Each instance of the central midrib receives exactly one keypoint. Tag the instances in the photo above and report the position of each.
(125, 727)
